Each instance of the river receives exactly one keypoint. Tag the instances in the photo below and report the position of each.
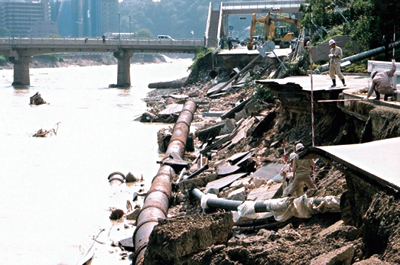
(54, 190)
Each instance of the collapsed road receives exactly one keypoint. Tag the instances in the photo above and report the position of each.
(213, 216)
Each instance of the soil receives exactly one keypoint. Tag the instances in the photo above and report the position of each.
(365, 231)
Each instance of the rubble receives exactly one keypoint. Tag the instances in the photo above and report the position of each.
(236, 167)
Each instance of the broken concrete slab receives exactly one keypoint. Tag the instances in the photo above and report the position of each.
(171, 109)
(243, 164)
(241, 115)
(242, 132)
(268, 171)
(242, 182)
(237, 157)
(343, 255)
(229, 126)
(212, 114)
(259, 181)
(215, 186)
(263, 193)
(265, 125)
(209, 132)
(237, 195)
(217, 88)
(227, 169)
(178, 97)
(245, 160)
(231, 113)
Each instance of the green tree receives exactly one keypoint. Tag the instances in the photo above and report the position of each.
(53, 36)
(4, 32)
(323, 15)
(143, 34)
(374, 21)
(371, 21)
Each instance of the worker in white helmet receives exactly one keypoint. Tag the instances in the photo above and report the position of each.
(287, 175)
(302, 169)
(381, 83)
(335, 57)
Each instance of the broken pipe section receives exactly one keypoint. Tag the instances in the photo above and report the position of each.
(156, 203)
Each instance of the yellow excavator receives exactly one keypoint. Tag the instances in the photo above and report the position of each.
(281, 34)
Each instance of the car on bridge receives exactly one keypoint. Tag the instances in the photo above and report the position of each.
(164, 37)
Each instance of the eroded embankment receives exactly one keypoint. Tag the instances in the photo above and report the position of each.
(369, 212)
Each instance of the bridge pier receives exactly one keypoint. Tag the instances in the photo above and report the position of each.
(124, 66)
(21, 70)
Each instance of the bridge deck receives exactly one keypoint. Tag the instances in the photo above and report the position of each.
(249, 7)
(33, 46)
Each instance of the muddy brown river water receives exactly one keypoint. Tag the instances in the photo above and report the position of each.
(54, 194)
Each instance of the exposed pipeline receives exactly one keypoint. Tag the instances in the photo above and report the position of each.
(357, 57)
(169, 84)
(259, 207)
(116, 178)
(156, 202)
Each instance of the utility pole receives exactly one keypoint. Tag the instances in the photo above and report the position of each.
(130, 31)
(119, 31)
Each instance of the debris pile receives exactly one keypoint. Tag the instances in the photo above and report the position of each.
(242, 141)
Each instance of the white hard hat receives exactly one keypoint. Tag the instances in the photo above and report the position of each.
(299, 146)
(373, 73)
(292, 156)
(331, 41)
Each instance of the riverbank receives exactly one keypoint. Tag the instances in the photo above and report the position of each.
(240, 133)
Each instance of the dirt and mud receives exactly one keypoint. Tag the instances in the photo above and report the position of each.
(365, 231)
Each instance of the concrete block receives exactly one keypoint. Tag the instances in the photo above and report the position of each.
(343, 255)
(237, 195)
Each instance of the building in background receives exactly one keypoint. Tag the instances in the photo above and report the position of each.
(27, 18)
(67, 18)
(109, 15)
(87, 18)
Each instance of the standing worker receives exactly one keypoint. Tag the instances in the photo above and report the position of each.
(302, 169)
(230, 43)
(381, 83)
(222, 43)
(335, 56)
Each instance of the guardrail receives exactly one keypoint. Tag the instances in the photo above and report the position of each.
(260, 4)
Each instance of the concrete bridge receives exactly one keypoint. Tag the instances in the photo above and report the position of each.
(20, 51)
(217, 21)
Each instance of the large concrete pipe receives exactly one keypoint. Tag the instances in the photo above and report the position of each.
(156, 202)
(169, 84)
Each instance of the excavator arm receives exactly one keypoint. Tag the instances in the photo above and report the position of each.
(269, 29)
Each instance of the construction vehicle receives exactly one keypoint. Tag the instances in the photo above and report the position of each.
(279, 30)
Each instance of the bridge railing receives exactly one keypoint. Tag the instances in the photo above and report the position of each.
(99, 41)
(260, 4)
